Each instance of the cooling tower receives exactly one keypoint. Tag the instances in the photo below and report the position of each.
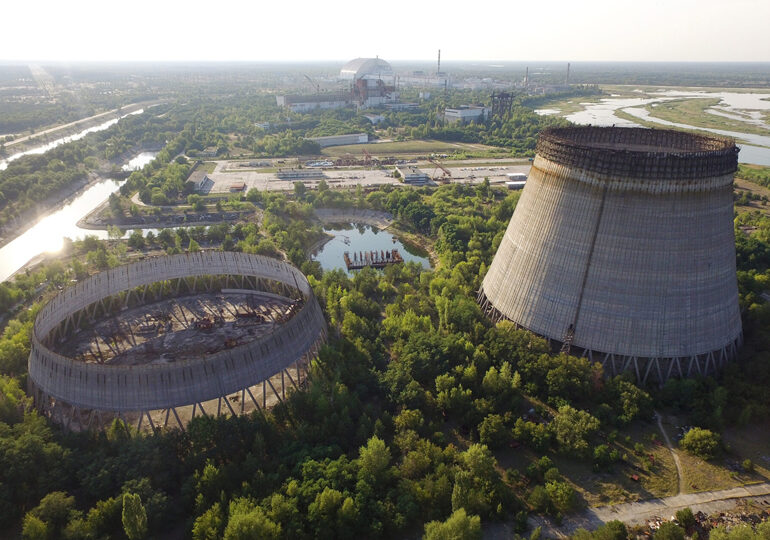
(621, 248)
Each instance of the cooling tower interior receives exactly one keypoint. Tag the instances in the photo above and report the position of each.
(160, 341)
(622, 249)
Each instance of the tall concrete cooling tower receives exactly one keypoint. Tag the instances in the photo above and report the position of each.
(622, 249)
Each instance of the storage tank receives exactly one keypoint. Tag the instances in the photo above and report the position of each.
(622, 249)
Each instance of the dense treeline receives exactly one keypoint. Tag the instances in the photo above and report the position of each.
(36, 179)
(409, 408)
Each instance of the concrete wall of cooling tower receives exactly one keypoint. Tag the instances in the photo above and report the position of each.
(642, 266)
(162, 386)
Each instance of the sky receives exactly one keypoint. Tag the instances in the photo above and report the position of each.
(295, 30)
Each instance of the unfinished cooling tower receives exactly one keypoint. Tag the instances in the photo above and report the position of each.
(622, 249)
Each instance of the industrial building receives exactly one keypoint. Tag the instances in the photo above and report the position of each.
(413, 175)
(313, 102)
(372, 82)
(465, 114)
(200, 181)
(148, 341)
(300, 174)
(341, 140)
(622, 249)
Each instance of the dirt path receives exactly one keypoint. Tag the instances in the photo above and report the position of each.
(636, 513)
(674, 455)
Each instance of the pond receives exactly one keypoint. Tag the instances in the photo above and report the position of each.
(353, 237)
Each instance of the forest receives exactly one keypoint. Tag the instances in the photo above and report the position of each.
(421, 417)
(411, 407)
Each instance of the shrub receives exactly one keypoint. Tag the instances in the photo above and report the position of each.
(669, 531)
(685, 518)
(700, 442)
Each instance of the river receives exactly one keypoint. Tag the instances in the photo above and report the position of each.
(53, 144)
(744, 106)
(48, 234)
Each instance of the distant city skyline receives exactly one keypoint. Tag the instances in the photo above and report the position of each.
(553, 30)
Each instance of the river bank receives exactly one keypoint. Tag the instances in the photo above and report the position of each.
(47, 135)
(63, 197)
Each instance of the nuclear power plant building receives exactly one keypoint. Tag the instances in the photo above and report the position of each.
(622, 249)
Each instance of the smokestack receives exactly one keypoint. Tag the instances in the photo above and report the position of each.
(567, 73)
(439, 62)
(526, 78)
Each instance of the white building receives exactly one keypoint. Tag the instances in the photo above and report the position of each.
(340, 140)
(413, 175)
(200, 181)
(305, 103)
(466, 114)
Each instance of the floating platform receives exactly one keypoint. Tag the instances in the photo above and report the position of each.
(375, 259)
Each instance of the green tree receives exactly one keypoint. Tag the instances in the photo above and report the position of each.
(136, 240)
(685, 518)
(458, 526)
(573, 428)
(492, 431)
(34, 528)
(700, 442)
(54, 509)
(248, 521)
(374, 458)
(193, 247)
(669, 531)
(134, 517)
(209, 525)
(114, 232)
(562, 496)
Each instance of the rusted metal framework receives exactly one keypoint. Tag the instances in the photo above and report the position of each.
(82, 395)
(622, 249)
(501, 104)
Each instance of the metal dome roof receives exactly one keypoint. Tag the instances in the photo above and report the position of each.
(360, 67)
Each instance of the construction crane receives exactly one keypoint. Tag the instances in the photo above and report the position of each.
(315, 85)
(446, 175)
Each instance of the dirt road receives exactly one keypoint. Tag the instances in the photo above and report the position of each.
(638, 512)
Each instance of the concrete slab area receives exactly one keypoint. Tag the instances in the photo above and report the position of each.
(225, 175)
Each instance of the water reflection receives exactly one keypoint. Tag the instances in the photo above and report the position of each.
(602, 113)
(47, 235)
(53, 144)
(354, 237)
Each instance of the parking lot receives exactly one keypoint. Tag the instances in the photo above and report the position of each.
(224, 176)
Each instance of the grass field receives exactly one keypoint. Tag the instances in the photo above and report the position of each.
(420, 147)
(752, 188)
(207, 167)
(695, 113)
(752, 442)
(569, 106)
(657, 477)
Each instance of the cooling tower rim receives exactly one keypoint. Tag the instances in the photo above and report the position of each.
(639, 152)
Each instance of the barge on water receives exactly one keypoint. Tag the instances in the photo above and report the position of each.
(375, 259)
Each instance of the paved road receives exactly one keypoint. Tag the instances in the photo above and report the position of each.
(638, 512)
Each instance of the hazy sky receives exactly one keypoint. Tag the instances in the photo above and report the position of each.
(638, 30)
